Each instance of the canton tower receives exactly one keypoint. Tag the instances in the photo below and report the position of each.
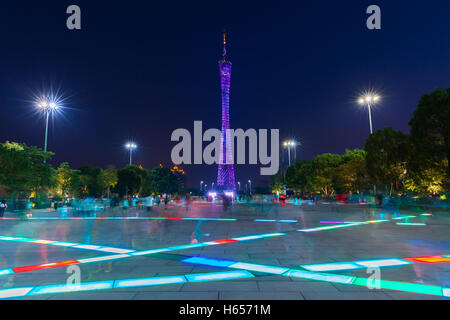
(225, 174)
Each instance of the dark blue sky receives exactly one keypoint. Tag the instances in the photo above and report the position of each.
(141, 69)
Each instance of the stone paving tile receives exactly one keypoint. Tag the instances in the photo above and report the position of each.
(324, 295)
(257, 295)
(163, 295)
(398, 295)
(94, 296)
(273, 286)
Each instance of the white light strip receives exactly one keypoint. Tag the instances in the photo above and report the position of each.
(111, 257)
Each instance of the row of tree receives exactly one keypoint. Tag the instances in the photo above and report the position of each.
(417, 162)
(25, 171)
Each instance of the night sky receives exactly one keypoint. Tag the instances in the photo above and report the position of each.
(140, 69)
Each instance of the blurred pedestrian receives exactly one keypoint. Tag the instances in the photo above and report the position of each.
(3, 207)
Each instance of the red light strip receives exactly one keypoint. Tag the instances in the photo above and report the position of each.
(224, 241)
(429, 259)
(45, 266)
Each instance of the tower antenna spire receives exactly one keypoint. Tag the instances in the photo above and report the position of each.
(224, 45)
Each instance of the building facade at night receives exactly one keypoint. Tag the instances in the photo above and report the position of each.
(225, 174)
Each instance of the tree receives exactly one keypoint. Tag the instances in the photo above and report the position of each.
(299, 176)
(351, 176)
(67, 181)
(23, 168)
(91, 184)
(130, 180)
(161, 180)
(430, 138)
(387, 155)
(323, 167)
(277, 183)
(107, 179)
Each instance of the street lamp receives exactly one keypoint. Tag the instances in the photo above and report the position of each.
(288, 144)
(47, 106)
(250, 186)
(369, 100)
(131, 146)
(201, 183)
(239, 184)
(212, 187)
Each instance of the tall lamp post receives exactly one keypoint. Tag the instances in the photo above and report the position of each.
(288, 144)
(48, 107)
(201, 185)
(239, 184)
(212, 187)
(250, 186)
(369, 100)
(131, 146)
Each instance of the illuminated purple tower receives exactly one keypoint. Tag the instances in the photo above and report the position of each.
(225, 174)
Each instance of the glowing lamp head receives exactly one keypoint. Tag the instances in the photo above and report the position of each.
(131, 145)
(369, 98)
(43, 104)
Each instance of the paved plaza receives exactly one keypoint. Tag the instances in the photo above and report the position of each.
(248, 251)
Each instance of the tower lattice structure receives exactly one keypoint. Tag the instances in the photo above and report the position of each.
(225, 174)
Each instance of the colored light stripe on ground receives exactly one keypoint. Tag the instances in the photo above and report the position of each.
(377, 221)
(152, 251)
(209, 262)
(331, 227)
(115, 250)
(44, 266)
(403, 217)
(429, 259)
(152, 218)
(258, 268)
(62, 288)
(222, 241)
(335, 278)
(331, 222)
(12, 293)
(319, 276)
(382, 262)
(331, 266)
(103, 258)
(148, 281)
(6, 271)
(400, 286)
(187, 246)
(351, 265)
(69, 244)
(446, 292)
(64, 244)
(218, 276)
(259, 236)
(410, 224)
